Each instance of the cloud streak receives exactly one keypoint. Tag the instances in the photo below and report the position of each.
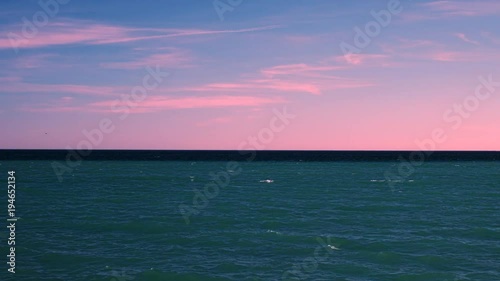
(171, 59)
(91, 33)
(464, 8)
(161, 103)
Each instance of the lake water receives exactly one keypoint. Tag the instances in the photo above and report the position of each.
(155, 220)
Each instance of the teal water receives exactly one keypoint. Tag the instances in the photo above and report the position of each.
(118, 221)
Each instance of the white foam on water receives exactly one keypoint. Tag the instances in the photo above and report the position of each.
(267, 181)
(333, 247)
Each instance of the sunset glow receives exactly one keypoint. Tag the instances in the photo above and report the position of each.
(187, 75)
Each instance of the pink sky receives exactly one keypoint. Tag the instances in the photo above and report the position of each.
(227, 79)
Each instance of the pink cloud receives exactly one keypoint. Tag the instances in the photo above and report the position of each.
(425, 50)
(443, 55)
(313, 79)
(464, 38)
(176, 58)
(157, 103)
(464, 8)
(89, 33)
(364, 59)
(446, 56)
(261, 84)
(62, 33)
(290, 86)
(226, 86)
(461, 56)
(285, 86)
(289, 78)
(437, 10)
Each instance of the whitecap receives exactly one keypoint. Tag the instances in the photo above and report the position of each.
(267, 181)
(333, 247)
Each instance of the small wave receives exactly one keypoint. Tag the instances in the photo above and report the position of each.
(333, 247)
(267, 181)
(273, 231)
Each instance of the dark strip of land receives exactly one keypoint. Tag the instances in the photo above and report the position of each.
(247, 155)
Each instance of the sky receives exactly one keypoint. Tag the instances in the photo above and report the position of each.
(250, 74)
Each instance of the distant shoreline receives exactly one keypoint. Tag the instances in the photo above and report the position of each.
(246, 155)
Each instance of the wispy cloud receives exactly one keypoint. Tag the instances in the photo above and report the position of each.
(414, 43)
(464, 38)
(380, 60)
(460, 56)
(174, 58)
(464, 8)
(417, 51)
(314, 79)
(91, 33)
(62, 33)
(160, 103)
(301, 68)
(447, 56)
(251, 86)
(438, 10)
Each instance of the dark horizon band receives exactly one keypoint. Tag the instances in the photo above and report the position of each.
(249, 155)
